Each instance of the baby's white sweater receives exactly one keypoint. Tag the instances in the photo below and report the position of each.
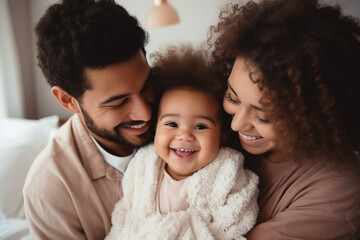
(222, 200)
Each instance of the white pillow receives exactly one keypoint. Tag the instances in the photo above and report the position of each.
(21, 140)
(14, 229)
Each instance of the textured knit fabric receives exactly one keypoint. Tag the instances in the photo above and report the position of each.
(221, 197)
(307, 201)
(70, 190)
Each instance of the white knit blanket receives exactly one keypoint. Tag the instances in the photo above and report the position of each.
(222, 201)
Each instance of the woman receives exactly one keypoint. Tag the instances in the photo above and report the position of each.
(293, 70)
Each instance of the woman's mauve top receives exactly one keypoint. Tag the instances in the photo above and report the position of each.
(309, 201)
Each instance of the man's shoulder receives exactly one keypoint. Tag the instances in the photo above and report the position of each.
(57, 164)
(48, 171)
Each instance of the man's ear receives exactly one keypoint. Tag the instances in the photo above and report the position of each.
(65, 100)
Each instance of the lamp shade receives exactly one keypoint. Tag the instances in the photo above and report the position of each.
(161, 14)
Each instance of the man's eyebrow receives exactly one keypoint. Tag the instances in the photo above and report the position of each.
(121, 96)
(114, 98)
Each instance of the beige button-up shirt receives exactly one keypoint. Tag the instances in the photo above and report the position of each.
(70, 190)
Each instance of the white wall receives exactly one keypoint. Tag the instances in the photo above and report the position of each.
(195, 18)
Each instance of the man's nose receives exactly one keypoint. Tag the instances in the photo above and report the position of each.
(141, 110)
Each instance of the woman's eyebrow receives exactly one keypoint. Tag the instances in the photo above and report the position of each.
(230, 87)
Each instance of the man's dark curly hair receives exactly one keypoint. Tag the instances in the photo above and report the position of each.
(185, 66)
(308, 56)
(74, 35)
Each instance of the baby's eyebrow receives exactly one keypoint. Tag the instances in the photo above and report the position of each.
(206, 117)
(168, 115)
(196, 116)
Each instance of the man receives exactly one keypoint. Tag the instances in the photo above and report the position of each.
(92, 54)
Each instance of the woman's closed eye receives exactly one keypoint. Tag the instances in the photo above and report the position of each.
(260, 119)
(230, 99)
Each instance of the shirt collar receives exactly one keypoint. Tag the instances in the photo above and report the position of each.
(120, 163)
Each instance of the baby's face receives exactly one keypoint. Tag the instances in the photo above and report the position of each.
(188, 131)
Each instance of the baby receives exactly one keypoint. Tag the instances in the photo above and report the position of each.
(186, 185)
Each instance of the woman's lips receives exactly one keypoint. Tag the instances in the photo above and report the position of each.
(250, 140)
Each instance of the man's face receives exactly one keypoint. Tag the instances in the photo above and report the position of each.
(117, 110)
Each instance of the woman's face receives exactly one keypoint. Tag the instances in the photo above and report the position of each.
(242, 101)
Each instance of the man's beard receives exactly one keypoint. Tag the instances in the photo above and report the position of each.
(115, 136)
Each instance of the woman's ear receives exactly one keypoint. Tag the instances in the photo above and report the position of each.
(65, 100)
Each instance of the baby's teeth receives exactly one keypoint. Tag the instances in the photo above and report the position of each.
(183, 150)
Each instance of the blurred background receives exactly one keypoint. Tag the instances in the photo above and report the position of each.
(24, 92)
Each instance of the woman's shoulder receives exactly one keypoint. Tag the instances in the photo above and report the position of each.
(330, 176)
(317, 186)
(309, 173)
(309, 194)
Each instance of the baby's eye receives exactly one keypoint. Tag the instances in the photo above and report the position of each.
(201, 127)
(171, 124)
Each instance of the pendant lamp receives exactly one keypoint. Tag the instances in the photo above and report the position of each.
(161, 14)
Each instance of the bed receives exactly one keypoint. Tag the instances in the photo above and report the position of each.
(21, 140)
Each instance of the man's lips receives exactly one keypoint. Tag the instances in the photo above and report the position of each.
(136, 128)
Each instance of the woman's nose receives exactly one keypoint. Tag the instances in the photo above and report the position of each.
(242, 120)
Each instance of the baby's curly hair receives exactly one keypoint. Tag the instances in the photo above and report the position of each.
(185, 66)
(74, 35)
(308, 55)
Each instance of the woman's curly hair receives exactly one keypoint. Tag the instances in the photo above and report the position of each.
(185, 66)
(308, 55)
(74, 35)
